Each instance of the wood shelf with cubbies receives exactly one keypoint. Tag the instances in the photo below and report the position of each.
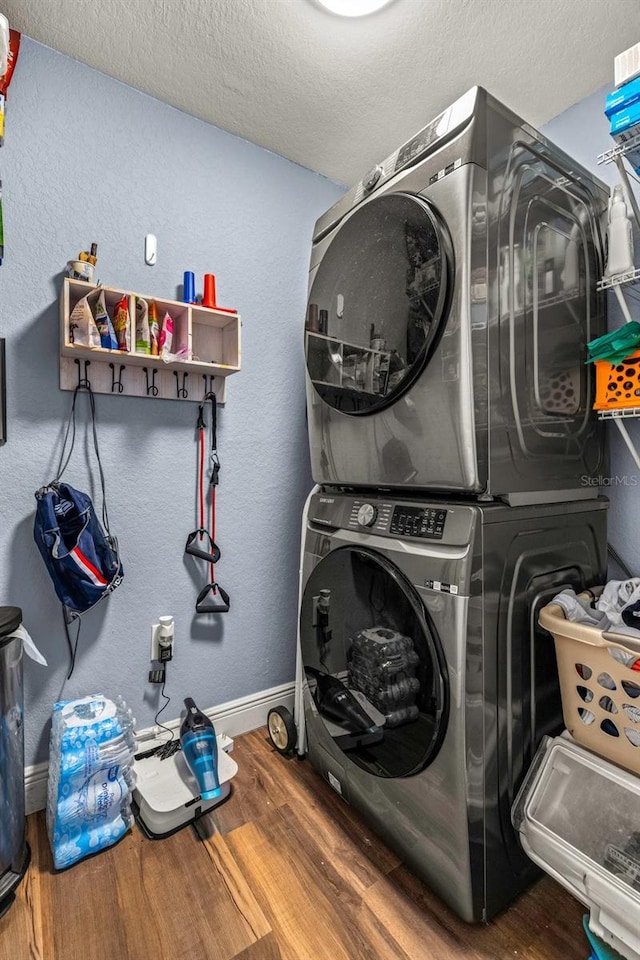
(210, 338)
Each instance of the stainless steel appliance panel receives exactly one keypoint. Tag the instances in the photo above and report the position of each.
(450, 303)
(441, 795)
(13, 850)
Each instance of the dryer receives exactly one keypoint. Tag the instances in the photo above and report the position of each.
(428, 612)
(451, 296)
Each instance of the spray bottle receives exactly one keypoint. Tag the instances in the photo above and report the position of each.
(619, 236)
(200, 750)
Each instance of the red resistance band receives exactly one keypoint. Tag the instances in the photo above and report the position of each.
(215, 469)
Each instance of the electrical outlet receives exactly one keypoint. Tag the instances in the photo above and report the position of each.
(162, 637)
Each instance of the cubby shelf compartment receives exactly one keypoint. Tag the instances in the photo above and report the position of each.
(212, 338)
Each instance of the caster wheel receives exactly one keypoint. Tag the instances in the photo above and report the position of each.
(282, 729)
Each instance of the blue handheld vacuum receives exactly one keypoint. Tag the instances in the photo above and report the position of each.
(200, 750)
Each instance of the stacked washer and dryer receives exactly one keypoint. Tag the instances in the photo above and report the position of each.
(452, 294)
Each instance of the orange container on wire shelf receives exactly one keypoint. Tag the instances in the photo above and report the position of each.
(618, 385)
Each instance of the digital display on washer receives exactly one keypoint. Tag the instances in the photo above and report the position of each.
(418, 145)
(418, 522)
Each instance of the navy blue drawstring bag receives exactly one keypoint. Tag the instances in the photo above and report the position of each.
(81, 558)
(79, 552)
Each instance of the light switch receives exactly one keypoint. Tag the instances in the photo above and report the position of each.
(150, 249)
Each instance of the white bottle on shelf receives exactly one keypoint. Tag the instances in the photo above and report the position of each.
(619, 236)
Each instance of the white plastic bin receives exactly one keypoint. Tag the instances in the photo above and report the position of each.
(578, 817)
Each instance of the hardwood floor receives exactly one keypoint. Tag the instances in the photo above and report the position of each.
(284, 870)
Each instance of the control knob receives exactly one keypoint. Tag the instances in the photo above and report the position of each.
(367, 515)
(371, 178)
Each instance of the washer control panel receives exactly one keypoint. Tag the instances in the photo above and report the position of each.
(427, 522)
(395, 519)
(371, 178)
(450, 524)
(367, 515)
(420, 143)
(375, 517)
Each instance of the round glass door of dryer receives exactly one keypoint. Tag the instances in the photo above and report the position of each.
(378, 303)
(373, 662)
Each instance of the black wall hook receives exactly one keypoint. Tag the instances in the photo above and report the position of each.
(181, 391)
(116, 384)
(83, 382)
(151, 387)
(209, 383)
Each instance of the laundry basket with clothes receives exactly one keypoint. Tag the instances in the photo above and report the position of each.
(598, 652)
(616, 608)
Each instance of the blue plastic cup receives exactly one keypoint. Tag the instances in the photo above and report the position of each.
(189, 287)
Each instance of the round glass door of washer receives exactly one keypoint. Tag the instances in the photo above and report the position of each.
(378, 303)
(373, 662)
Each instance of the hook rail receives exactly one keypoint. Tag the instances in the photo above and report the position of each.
(152, 390)
(181, 391)
(83, 381)
(117, 385)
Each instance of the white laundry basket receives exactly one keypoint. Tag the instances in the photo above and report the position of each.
(600, 686)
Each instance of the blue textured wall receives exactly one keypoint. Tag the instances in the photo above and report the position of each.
(583, 131)
(89, 159)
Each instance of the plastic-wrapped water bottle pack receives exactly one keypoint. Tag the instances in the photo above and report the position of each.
(382, 664)
(90, 777)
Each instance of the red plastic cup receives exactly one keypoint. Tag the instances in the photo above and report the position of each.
(209, 296)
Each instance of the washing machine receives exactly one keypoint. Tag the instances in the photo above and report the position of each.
(426, 613)
(452, 293)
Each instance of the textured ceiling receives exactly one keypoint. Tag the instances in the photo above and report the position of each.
(333, 94)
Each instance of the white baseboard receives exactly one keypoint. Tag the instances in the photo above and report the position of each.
(35, 786)
(233, 718)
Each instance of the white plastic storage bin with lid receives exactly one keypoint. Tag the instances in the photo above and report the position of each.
(578, 817)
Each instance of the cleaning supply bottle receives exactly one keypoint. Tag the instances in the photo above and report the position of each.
(570, 276)
(619, 236)
(200, 749)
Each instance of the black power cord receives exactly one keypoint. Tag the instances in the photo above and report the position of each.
(170, 746)
(73, 646)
